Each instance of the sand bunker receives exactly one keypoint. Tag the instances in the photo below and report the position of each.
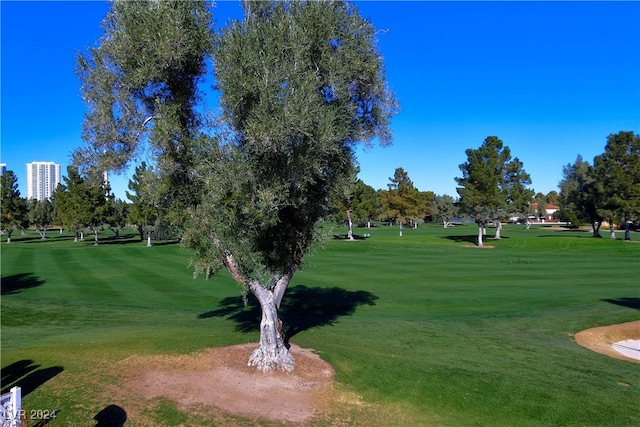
(621, 341)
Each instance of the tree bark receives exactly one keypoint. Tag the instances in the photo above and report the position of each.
(350, 233)
(149, 238)
(612, 231)
(272, 354)
(627, 230)
(498, 229)
(480, 233)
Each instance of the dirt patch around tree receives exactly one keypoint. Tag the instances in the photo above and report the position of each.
(218, 381)
(604, 338)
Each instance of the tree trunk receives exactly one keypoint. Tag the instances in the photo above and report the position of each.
(480, 233)
(612, 231)
(498, 229)
(400, 228)
(627, 230)
(95, 237)
(149, 238)
(595, 226)
(350, 233)
(272, 354)
(9, 236)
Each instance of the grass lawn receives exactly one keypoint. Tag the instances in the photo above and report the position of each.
(424, 325)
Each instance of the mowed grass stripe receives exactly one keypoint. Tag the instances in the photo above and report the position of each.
(456, 336)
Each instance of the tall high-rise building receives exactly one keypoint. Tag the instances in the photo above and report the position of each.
(3, 168)
(42, 179)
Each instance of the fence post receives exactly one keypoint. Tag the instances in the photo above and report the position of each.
(11, 408)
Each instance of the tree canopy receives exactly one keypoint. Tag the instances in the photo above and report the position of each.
(618, 171)
(401, 201)
(13, 211)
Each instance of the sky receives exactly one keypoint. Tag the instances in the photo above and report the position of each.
(551, 79)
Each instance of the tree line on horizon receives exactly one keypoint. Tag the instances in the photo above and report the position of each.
(493, 189)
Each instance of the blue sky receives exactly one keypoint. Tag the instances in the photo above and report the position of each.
(551, 79)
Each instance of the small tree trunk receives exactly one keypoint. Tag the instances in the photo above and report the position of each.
(400, 228)
(498, 229)
(95, 237)
(595, 226)
(350, 233)
(480, 233)
(9, 236)
(149, 238)
(627, 230)
(612, 231)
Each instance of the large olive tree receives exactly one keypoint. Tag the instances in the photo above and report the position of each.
(299, 84)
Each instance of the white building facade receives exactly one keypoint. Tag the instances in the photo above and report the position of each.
(42, 179)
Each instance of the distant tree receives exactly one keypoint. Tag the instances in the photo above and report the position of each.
(117, 214)
(81, 202)
(401, 202)
(14, 207)
(446, 209)
(492, 185)
(480, 190)
(618, 172)
(553, 198)
(541, 200)
(41, 215)
(365, 203)
(144, 195)
(580, 195)
(513, 185)
(344, 202)
(426, 205)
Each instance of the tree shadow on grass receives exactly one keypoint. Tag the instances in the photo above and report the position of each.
(629, 302)
(18, 282)
(473, 238)
(27, 375)
(302, 308)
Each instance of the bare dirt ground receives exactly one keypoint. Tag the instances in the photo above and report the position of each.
(219, 381)
(218, 384)
(601, 339)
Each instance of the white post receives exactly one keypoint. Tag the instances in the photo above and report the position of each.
(11, 408)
